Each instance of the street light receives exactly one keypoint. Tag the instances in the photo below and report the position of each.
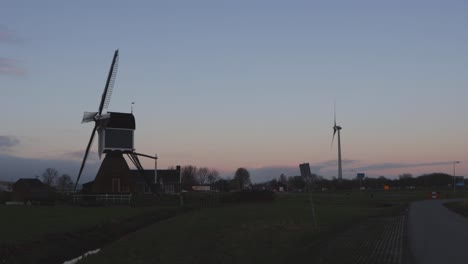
(455, 162)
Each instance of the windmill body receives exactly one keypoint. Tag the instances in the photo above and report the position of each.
(116, 133)
(116, 138)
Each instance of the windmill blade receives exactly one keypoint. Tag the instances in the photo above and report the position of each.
(85, 156)
(105, 99)
(88, 117)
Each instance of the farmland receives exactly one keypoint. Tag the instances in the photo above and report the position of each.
(293, 227)
(252, 233)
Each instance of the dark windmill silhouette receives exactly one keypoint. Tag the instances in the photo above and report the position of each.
(116, 138)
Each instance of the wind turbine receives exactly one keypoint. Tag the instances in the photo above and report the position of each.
(337, 128)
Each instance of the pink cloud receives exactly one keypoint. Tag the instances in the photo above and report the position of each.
(7, 35)
(10, 66)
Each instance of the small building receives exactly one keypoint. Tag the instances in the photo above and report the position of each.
(164, 181)
(169, 180)
(31, 189)
(141, 180)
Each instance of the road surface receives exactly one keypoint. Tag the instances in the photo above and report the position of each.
(436, 234)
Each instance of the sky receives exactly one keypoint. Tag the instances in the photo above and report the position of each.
(228, 84)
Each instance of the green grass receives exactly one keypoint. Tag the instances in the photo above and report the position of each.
(278, 232)
(458, 207)
(20, 224)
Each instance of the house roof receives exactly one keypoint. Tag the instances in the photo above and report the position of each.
(169, 176)
(31, 182)
(146, 173)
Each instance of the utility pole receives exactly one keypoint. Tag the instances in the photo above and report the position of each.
(455, 162)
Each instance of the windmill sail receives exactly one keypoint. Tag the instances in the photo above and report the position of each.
(105, 99)
(95, 116)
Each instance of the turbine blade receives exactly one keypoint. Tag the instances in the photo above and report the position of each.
(109, 83)
(334, 113)
(333, 138)
(86, 155)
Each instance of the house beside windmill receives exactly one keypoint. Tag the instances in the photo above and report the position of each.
(169, 181)
(165, 181)
(31, 189)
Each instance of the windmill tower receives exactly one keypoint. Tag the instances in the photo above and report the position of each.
(116, 137)
(336, 129)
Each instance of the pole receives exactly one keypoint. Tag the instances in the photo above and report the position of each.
(155, 167)
(340, 171)
(453, 176)
(455, 162)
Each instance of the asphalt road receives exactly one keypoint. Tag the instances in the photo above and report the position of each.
(436, 234)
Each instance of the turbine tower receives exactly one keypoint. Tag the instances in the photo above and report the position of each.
(337, 128)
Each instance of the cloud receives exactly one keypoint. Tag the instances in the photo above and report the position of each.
(7, 35)
(10, 67)
(79, 154)
(317, 167)
(388, 166)
(14, 167)
(7, 142)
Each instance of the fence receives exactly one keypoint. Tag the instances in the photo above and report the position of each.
(102, 199)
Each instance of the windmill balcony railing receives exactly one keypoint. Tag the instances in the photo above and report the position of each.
(102, 199)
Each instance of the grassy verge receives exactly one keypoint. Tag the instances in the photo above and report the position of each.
(21, 224)
(458, 207)
(277, 232)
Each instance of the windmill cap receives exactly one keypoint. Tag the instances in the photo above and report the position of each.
(120, 120)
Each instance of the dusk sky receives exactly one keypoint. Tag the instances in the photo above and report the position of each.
(229, 84)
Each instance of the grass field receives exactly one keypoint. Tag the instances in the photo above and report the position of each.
(21, 224)
(277, 232)
(459, 207)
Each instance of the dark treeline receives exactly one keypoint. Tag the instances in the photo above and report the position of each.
(241, 180)
(404, 181)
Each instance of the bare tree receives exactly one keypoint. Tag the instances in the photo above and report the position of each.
(64, 182)
(283, 179)
(213, 176)
(189, 174)
(49, 176)
(202, 175)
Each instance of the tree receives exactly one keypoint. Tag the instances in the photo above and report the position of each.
(242, 178)
(64, 182)
(296, 182)
(405, 176)
(213, 176)
(202, 175)
(189, 174)
(283, 179)
(49, 176)
(222, 185)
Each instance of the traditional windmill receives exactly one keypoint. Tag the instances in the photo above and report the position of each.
(115, 139)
